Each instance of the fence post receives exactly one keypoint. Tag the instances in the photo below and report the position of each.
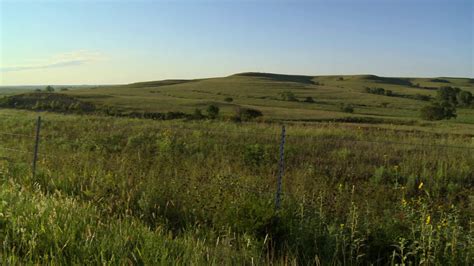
(281, 168)
(35, 154)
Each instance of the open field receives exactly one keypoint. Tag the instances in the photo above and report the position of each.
(120, 191)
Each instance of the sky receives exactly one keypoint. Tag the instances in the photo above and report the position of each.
(114, 42)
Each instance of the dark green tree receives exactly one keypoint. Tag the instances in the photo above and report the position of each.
(447, 94)
(438, 111)
(465, 98)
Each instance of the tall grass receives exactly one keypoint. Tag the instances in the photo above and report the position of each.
(136, 191)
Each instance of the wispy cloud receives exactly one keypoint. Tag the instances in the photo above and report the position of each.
(60, 60)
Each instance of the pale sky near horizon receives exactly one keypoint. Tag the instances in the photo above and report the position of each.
(110, 42)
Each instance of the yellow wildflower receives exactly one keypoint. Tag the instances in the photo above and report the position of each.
(428, 219)
(420, 185)
(404, 203)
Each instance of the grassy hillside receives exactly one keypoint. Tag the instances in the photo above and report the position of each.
(262, 91)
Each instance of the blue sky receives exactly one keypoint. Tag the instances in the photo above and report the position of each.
(105, 42)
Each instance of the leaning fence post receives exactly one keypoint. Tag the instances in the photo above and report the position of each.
(35, 154)
(280, 169)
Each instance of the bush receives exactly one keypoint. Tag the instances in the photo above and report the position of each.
(438, 112)
(422, 97)
(347, 108)
(309, 100)
(247, 114)
(174, 115)
(448, 94)
(465, 98)
(379, 91)
(49, 89)
(229, 99)
(212, 111)
(198, 114)
(288, 96)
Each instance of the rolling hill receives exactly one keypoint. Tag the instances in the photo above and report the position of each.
(314, 98)
(263, 92)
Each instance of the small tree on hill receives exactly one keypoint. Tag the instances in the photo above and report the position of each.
(49, 89)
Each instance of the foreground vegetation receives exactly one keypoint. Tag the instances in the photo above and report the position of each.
(121, 190)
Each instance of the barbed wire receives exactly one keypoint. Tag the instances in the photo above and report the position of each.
(61, 139)
(242, 132)
(15, 134)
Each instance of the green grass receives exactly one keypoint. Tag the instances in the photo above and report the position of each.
(133, 191)
(261, 91)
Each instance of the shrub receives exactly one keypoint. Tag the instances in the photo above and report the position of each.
(49, 89)
(198, 114)
(288, 96)
(229, 99)
(380, 91)
(465, 98)
(438, 112)
(309, 100)
(212, 111)
(388, 93)
(347, 108)
(447, 94)
(247, 114)
(174, 115)
(422, 97)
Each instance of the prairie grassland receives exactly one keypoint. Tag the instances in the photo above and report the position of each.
(262, 91)
(120, 191)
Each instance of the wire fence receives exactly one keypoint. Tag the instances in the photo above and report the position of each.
(38, 145)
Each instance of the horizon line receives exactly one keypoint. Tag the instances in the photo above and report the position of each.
(256, 72)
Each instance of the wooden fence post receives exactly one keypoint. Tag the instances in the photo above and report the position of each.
(37, 139)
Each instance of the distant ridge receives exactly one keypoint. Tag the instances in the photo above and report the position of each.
(278, 77)
(165, 82)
